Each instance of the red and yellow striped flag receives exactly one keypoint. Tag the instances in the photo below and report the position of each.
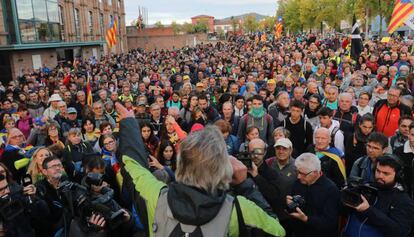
(278, 28)
(111, 34)
(402, 10)
(89, 98)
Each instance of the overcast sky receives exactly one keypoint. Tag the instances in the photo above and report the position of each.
(182, 10)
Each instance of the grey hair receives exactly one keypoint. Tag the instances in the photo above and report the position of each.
(404, 67)
(345, 94)
(250, 85)
(203, 161)
(308, 161)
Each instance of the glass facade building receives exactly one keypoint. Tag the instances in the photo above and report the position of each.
(47, 32)
(38, 21)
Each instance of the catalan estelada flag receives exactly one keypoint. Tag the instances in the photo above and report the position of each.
(111, 34)
(278, 28)
(402, 10)
(89, 99)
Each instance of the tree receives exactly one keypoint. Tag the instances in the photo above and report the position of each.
(234, 23)
(175, 27)
(290, 16)
(267, 24)
(158, 24)
(201, 26)
(187, 28)
(250, 24)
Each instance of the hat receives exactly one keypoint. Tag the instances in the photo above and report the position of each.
(186, 77)
(199, 84)
(286, 143)
(72, 110)
(197, 127)
(55, 97)
(271, 81)
(140, 103)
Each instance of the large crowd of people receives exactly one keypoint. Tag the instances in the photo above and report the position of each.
(247, 137)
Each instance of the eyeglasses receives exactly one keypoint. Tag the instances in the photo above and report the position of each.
(57, 166)
(304, 174)
(109, 143)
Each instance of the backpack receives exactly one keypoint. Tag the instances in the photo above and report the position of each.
(353, 120)
(247, 116)
(165, 225)
(333, 134)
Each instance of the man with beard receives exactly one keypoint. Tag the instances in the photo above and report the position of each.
(391, 212)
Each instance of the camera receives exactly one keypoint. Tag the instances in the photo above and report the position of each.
(245, 158)
(94, 179)
(83, 204)
(297, 201)
(351, 194)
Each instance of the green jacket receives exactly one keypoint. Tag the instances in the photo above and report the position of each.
(135, 163)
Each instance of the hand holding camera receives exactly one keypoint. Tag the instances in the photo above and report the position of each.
(294, 205)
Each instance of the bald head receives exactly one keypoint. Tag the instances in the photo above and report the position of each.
(256, 143)
(257, 149)
(322, 138)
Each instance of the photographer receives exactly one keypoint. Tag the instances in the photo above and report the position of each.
(314, 200)
(19, 207)
(391, 213)
(58, 219)
(98, 188)
(265, 177)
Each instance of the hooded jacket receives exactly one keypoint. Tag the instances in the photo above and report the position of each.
(191, 205)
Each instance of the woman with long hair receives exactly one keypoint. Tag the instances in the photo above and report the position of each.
(355, 145)
(172, 132)
(311, 110)
(150, 140)
(88, 131)
(167, 155)
(35, 166)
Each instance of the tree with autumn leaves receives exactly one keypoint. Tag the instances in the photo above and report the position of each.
(305, 15)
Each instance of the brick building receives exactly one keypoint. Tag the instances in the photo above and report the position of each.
(204, 18)
(34, 33)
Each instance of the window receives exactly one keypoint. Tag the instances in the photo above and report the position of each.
(39, 20)
(101, 24)
(118, 23)
(109, 2)
(62, 23)
(77, 24)
(90, 24)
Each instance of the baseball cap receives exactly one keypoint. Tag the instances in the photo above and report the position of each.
(72, 110)
(141, 103)
(55, 97)
(285, 142)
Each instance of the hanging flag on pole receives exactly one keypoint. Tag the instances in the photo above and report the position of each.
(403, 13)
(89, 98)
(278, 28)
(111, 33)
(140, 21)
(356, 42)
